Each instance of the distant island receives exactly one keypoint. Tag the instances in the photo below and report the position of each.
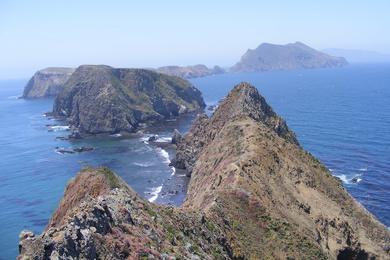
(101, 99)
(269, 57)
(189, 72)
(47, 82)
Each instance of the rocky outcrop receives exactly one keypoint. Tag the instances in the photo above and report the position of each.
(254, 193)
(100, 217)
(268, 57)
(102, 99)
(240, 102)
(189, 72)
(47, 82)
(176, 137)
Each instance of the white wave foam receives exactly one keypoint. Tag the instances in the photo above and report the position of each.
(362, 169)
(163, 140)
(164, 154)
(155, 191)
(349, 180)
(116, 135)
(145, 139)
(13, 97)
(343, 178)
(143, 164)
(173, 170)
(57, 128)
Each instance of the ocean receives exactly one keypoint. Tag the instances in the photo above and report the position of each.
(341, 116)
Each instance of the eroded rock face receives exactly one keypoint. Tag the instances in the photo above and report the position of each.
(100, 217)
(47, 82)
(254, 193)
(101, 99)
(268, 57)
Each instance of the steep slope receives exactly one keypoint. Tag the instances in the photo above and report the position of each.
(100, 217)
(47, 82)
(268, 57)
(189, 72)
(273, 199)
(254, 193)
(101, 99)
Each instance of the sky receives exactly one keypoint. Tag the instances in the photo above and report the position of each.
(36, 34)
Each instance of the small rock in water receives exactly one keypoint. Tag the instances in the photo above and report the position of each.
(355, 180)
(63, 138)
(176, 137)
(74, 150)
(153, 138)
(212, 108)
(75, 135)
(83, 149)
(63, 150)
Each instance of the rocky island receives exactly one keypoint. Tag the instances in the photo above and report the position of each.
(189, 72)
(269, 57)
(254, 193)
(101, 99)
(47, 82)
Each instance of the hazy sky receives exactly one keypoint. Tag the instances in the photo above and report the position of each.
(36, 34)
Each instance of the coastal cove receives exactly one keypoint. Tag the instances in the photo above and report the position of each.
(339, 115)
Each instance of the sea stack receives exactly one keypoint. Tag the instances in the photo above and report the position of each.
(47, 83)
(101, 99)
(269, 57)
(254, 193)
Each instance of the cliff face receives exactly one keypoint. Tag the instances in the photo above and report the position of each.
(254, 193)
(101, 99)
(268, 57)
(189, 72)
(47, 82)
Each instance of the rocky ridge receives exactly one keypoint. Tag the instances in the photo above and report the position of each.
(47, 82)
(101, 99)
(254, 193)
(269, 57)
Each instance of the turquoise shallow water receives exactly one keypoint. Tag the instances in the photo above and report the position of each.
(342, 116)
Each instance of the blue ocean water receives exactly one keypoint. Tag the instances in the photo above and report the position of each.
(342, 116)
(33, 174)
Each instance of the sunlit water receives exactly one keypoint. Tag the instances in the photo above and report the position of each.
(342, 116)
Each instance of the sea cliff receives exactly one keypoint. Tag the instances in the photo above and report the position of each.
(47, 82)
(101, 99)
